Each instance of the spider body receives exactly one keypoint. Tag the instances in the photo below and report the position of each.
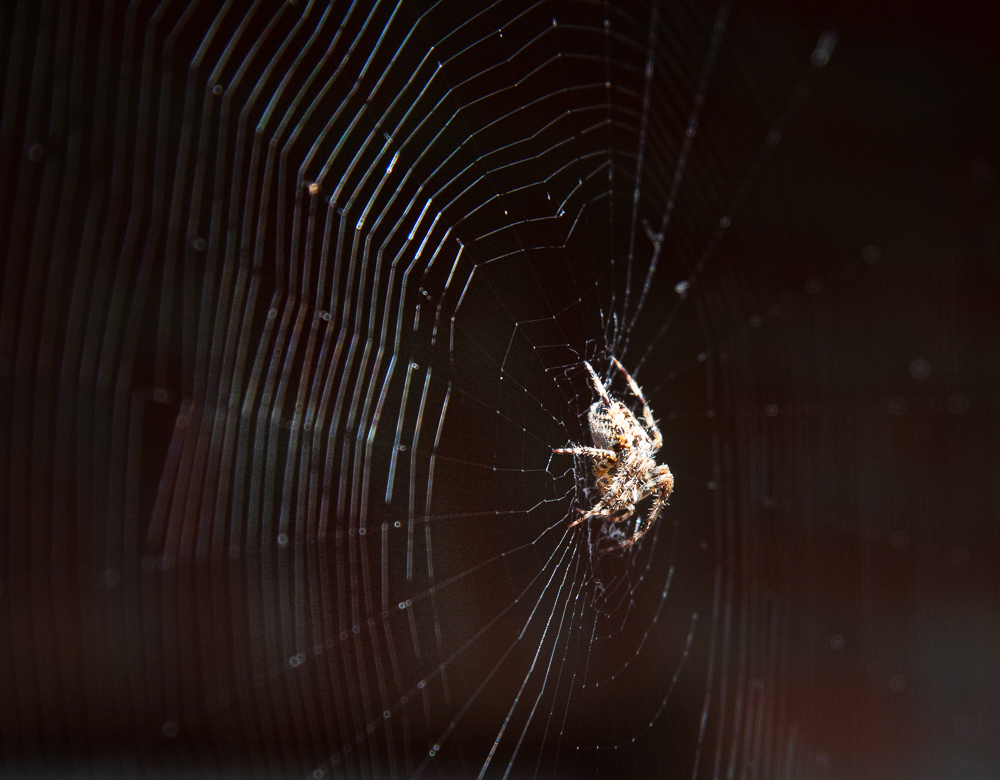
(624, 466)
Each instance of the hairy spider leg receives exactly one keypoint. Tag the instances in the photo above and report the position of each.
(599, 511)
(643, 527)
(646, 412)
(662, 480)
(598, 384)
(578, 520)
(596, 452)
(660, 486)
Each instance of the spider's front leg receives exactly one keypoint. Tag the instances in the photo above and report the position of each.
(598, 384)
(647, 414)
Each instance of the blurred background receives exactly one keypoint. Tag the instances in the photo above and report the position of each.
(295, 303)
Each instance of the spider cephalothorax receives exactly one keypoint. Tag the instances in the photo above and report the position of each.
(623, 459)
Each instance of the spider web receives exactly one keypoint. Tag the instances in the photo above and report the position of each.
(338, 271)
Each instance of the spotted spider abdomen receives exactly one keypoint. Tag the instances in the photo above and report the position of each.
(610, 425)
(603, 430)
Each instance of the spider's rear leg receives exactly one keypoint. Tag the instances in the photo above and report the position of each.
(623, 513)
(643, 528)
(660, 483)
(597, 510)
(602, 459)
(583, 516)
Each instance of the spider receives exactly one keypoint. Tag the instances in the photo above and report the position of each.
(623, 459)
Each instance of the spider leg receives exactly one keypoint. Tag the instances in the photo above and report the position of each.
(597, 510)
(580, 519)
(598, 384)
(646, 413)
(596, 452)
(661, 482)
(645, 526)
(584, 516)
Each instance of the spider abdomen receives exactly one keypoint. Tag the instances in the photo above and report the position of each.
(613, 426)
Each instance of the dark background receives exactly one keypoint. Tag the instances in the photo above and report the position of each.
(835, 370)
